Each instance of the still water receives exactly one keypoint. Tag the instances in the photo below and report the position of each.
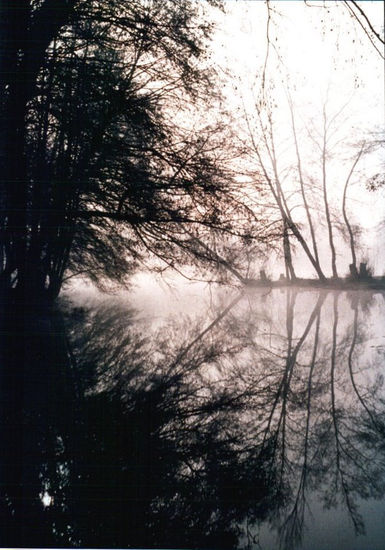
(251, 420)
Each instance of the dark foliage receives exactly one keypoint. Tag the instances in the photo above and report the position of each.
(131, 451)
(104, 160)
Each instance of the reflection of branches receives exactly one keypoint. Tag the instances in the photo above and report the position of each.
(352, 508)
(175, 437)
(215, 429)
(292, 527)
(290, 303)
(184, 351)
(284, 388)
(311, 442)
(373, 420)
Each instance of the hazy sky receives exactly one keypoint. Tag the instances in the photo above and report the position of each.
(319, 47)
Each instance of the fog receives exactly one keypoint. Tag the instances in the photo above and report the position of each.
(192, 275)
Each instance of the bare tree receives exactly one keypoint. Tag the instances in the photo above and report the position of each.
(264, 151)
(324, 152)
(353, 265)
(301, 178)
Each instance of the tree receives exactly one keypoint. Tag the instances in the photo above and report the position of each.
(303, 162)
(22, 25)
(353, 265)
(282, 76)
(100, 165)
(359, 15)
(263, 149)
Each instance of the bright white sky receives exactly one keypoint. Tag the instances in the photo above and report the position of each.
(316, 45)
(317, 52)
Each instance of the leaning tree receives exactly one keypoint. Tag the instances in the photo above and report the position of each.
(104, 157)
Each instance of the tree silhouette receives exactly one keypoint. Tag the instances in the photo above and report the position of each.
(105, 159)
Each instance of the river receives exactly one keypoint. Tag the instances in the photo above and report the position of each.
(211, 418)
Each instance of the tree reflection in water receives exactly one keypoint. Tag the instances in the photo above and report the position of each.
(326, 408)
(190, 436)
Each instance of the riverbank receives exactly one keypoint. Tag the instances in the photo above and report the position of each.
(373, 283)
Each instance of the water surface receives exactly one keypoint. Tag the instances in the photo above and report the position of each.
(243, 420)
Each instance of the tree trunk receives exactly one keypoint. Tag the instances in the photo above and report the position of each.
(290, 273)
(326, 202)
(353, 266)
(279, 198)
(302, 185)
(26, 34)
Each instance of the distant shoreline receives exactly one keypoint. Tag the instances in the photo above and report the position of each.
(373, 283)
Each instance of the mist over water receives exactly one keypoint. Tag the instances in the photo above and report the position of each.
(239, 403)
(245, 420)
